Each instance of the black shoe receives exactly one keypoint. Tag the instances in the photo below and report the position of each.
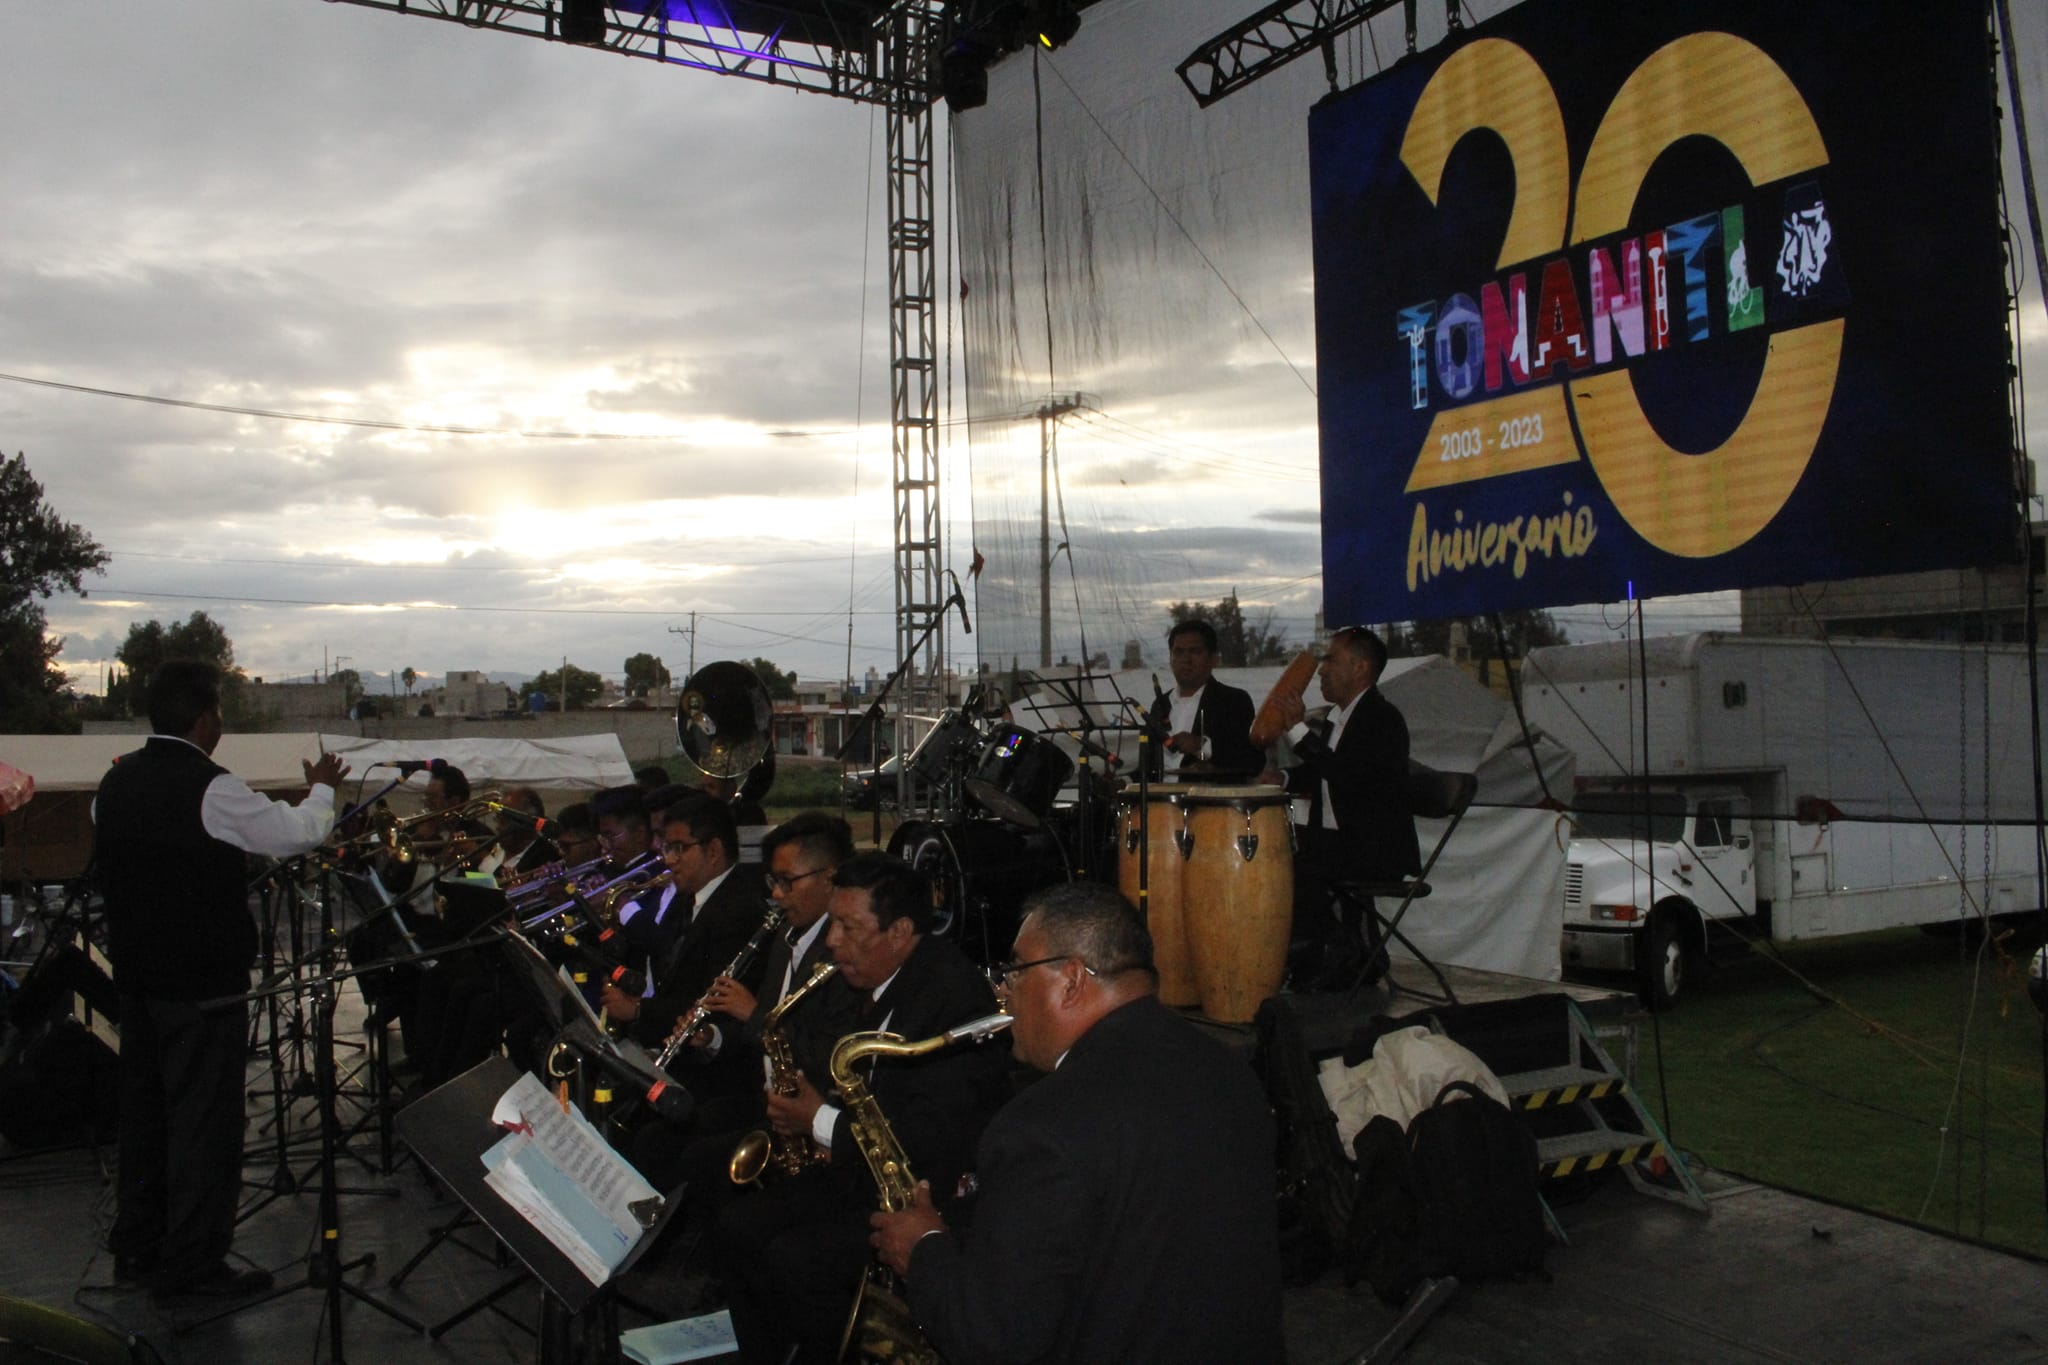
(217, 1281)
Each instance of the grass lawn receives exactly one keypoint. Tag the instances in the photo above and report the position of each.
(1878, 1097)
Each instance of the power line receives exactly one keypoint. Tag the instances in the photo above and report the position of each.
(151, 595)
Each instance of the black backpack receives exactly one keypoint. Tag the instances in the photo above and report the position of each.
(1453, 1195)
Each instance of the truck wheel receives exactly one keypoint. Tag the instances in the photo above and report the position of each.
(1665, 962)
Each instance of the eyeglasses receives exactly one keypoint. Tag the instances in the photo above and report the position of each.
(678, 849)
(778, 882)
(1004, 974)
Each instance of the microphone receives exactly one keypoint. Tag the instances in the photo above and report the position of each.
(408, 766)
(960, 601)
(669, 1100)
(539, 824)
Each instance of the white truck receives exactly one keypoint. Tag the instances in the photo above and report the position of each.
(1733, 788)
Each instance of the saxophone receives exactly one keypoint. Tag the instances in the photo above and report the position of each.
(880, 1326)
(788, 1153)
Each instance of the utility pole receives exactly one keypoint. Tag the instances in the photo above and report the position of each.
(1048, 428)
(692, 633)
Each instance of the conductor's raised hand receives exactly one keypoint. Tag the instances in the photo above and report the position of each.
(328, 772)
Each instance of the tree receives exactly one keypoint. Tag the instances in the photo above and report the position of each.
(408, 677)
(151, 643)
(644, 673)
(781, 686)
(351, 685)
(40, 552)
(1239, 643)
(584, 687)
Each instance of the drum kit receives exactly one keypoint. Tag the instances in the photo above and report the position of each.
(991, 830)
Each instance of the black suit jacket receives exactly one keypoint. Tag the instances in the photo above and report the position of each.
(773, 963)
(717, 930)
(1125, 1212)
(1223, 716)
(1368, 777)
(936, 1104)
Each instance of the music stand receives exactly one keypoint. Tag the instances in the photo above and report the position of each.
(449, 1129)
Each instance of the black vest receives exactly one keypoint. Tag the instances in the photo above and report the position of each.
(178, 919)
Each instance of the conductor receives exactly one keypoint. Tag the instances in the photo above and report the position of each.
(173, 828)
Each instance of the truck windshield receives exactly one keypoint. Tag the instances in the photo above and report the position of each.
(1619, 815)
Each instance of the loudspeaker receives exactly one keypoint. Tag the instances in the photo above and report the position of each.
(583, 21)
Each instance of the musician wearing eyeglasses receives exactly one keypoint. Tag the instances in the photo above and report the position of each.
(717, 906)
(1203, 725)
(801, 855)
(1125, 1203)
(791, 1254)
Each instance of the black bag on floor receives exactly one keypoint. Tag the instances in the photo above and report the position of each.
(1454, 1195)
(1316, 1187)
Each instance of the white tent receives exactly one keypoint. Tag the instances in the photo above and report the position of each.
(76, 763)
(1498, 899)
(568, 763)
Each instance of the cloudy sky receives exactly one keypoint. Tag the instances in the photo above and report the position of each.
(672, 282)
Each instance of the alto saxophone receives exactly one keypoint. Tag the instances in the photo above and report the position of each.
(787, 1152)
(701, 1011)
(880, 1326)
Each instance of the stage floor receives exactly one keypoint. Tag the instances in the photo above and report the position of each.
(1765, 1276)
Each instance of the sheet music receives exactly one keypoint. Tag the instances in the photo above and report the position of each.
(561, 1175)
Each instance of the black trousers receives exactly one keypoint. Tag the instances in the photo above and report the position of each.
(1345, 928)
(789, 1259)
(182, 1116)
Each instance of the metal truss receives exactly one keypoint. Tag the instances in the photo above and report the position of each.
(831, 47)
(1276, 35)
(910, 53)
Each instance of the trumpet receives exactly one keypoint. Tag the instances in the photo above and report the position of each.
(701, 1011)
(637, 871)
(535, 887)
(388, 832)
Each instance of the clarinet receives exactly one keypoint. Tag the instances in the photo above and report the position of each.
(701, 1011)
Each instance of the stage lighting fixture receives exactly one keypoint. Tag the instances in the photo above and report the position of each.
(583, 21)
(963, 80)
(1058, 27)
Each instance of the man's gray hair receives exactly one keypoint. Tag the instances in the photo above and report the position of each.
(1094, 923)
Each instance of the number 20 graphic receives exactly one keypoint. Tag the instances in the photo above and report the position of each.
(1712, 85)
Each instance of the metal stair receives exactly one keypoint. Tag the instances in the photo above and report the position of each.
(1586, 1117)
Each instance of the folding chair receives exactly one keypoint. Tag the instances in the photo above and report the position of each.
(1432, 795)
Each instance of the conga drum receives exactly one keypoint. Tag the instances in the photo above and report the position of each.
(1238, 894)
(1164, 834)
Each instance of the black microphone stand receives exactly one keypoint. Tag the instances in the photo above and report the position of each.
(872, 720)
(325, 1267)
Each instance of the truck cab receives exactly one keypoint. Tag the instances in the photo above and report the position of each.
(1647, 876)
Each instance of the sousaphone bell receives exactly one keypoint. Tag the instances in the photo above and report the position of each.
(725, 724)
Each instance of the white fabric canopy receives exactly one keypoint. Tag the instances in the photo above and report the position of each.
(570, 763)
(78, 762)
